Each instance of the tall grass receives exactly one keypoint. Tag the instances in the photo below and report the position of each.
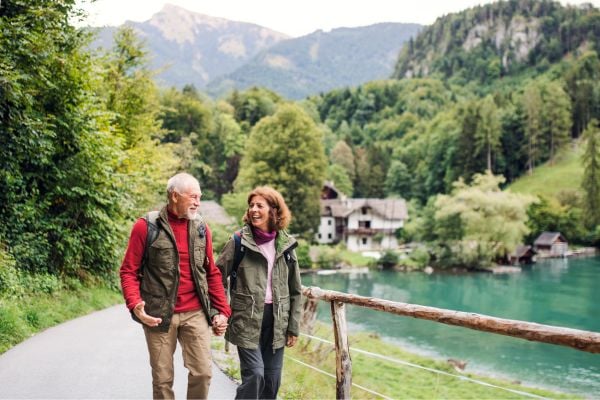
(30, 303)
(548, 180)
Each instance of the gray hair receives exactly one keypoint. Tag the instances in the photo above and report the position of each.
(180, 182)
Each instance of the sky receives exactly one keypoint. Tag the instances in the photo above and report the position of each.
(294, 18)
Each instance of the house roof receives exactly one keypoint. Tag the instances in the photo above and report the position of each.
(211, 211)
(548, 238)
(387, 208)
(522, 251)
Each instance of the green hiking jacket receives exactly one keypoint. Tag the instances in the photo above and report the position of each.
(248, 298)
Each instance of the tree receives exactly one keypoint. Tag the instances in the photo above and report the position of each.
(482, 216)
(488, 131)
(557, 116)
(286, 152)
(62, 203)
(591, 174)
(338, 175)
(341, 154)
(131, 100)
(532, 104)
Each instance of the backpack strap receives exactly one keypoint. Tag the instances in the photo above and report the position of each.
(151, 235)
(238, 254)
(289, 260)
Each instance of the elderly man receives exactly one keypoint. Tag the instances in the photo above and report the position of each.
(174, 289)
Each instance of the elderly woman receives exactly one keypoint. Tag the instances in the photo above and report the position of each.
(265, 294)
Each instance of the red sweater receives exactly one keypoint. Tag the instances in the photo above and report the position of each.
(187, 298)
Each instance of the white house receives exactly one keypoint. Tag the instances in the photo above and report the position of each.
(362, 224)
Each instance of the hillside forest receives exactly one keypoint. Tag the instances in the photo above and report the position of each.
(477, 100)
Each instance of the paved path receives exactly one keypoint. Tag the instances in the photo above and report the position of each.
(100, 356)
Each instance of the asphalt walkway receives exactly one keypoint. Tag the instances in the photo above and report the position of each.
(100, 356)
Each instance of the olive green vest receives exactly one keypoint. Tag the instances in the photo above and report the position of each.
(160, 279)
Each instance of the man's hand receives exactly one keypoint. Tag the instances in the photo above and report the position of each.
(146, 319)
(291, 340)
(219, 324)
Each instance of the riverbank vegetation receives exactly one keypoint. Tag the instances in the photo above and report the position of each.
(397, 381)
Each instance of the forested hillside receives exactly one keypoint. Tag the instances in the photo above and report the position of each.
(500, 39)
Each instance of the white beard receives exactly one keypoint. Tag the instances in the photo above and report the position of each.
(191, 214)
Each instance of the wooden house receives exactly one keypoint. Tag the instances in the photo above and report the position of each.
(523, 254)
(551, 244)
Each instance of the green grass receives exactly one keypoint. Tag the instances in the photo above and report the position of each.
(551, 180)
(329, 256)
(23, 316)
(390, 379)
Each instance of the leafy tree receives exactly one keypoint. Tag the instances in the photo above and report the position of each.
(583, 86)
(557, 116)
(342, 155)
(285, 151)
(131, 99)
(338, 175)
(488, 129)
(481, 216)
(62, 202)
(591, 175)
(532, 104)
(252, 105)
(398, 180)
(129, 90)
(183, 113)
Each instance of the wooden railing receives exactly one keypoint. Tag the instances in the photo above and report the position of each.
(577, 339)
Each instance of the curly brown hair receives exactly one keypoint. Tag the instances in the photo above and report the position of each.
(279, 214)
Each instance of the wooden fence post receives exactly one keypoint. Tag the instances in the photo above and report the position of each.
(343, 363)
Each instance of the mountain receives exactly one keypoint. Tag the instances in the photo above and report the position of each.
(488, 42)
(192, 48)
(321, 61)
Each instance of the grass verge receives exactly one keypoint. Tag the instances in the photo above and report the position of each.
(386, 378)
(23, 316)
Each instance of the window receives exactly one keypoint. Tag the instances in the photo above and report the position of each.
(364, 210)
(364, 240)
(364, 224)
(329, 236)
(328, 222)
(319, 236)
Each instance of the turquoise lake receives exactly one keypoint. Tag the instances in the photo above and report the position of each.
(559, 292)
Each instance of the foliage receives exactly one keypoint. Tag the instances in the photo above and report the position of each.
(130, 98)
(479, 223)
(389, 259)
(62, 204)
(388, 378)
(476, 45)
(285, 151)
(30, 311)
(302, 252)
(591, 175)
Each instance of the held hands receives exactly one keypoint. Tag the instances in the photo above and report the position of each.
(291, 340)
(146, 319)
(219, 324)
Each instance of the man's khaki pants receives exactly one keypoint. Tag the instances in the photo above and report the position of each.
(193, 333)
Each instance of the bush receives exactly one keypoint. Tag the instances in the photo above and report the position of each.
(302, 252)
(389, 259)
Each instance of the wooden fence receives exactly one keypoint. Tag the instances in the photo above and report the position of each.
(577, 339)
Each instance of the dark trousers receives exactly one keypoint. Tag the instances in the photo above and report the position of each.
(261, 367)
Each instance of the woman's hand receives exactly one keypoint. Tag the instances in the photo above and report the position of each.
(291, 340)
